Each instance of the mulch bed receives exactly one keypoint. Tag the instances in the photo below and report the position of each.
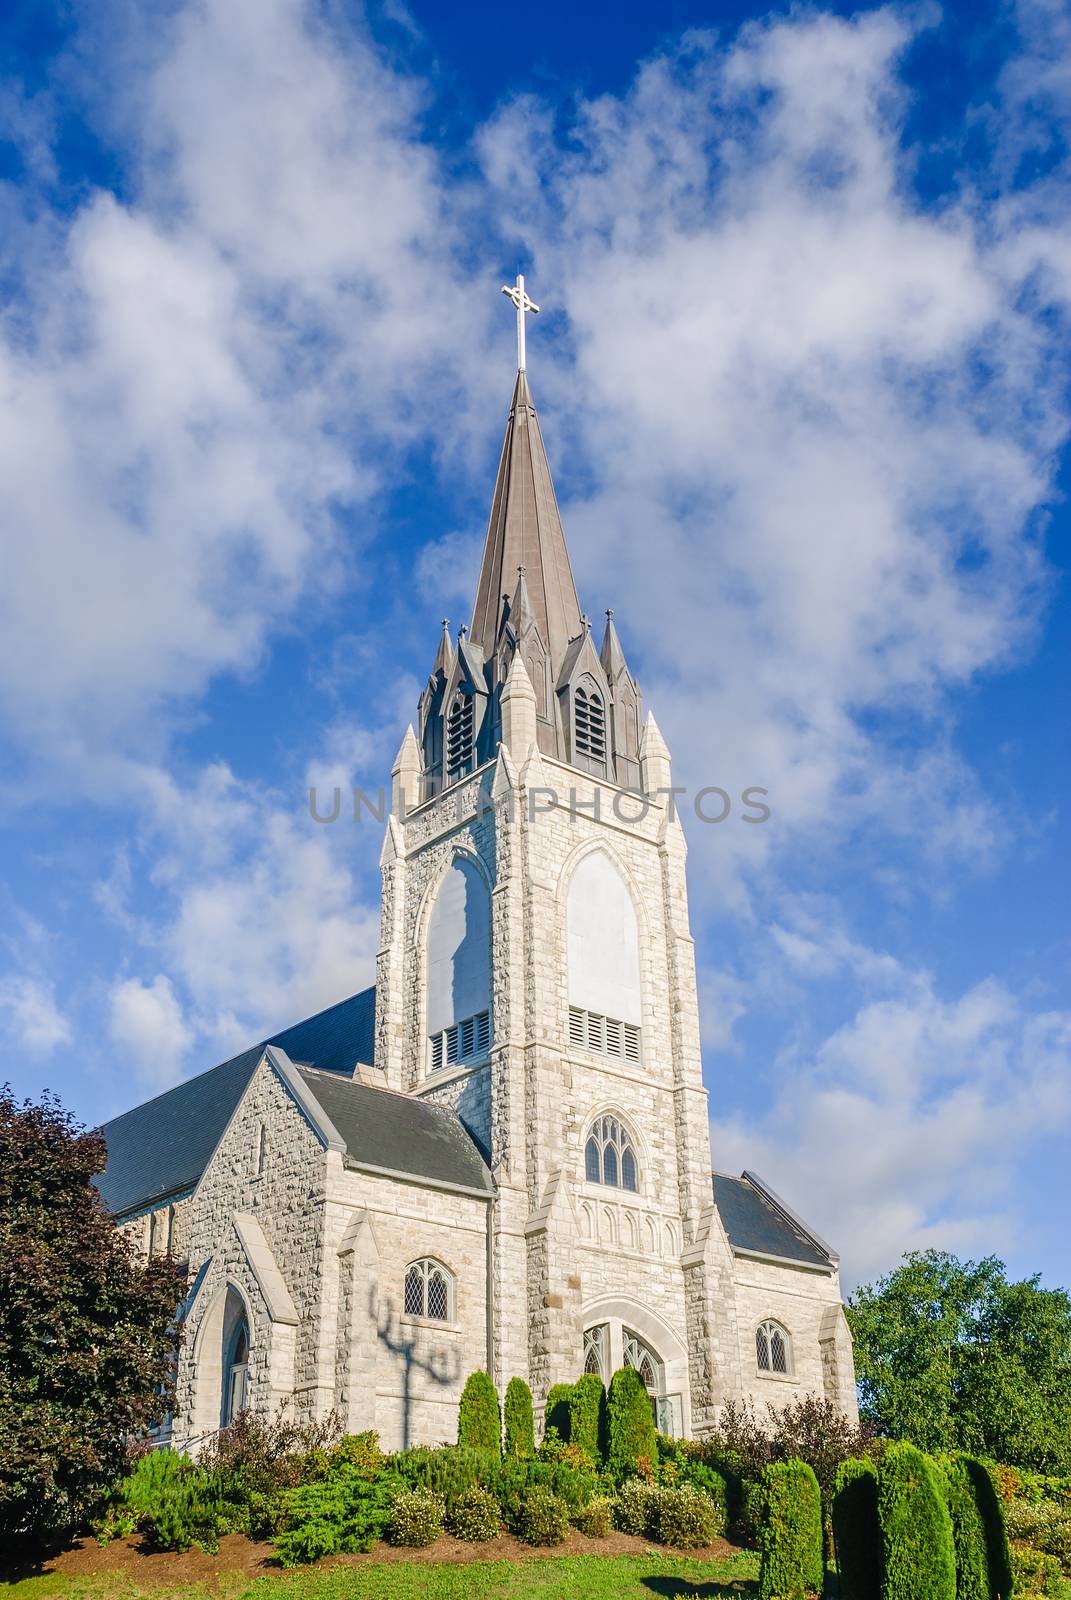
(130, 1557)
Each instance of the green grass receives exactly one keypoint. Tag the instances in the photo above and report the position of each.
(563, 1578)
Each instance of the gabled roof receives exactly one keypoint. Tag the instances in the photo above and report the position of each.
(525, 530)
(162, 1147)
(397, 1133)
(758, 1223)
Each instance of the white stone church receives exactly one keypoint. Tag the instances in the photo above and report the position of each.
(499, 1157)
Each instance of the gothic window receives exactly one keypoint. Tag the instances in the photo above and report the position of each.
(773, 1348)
(603, 947)
(235, 1360)
(458, 1017)
(429, 1291)
(643, 1360)
(459, 744)
(595, 1350)
(589, 727)
(610, 1156)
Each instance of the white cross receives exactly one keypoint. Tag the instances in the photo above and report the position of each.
(523, 304)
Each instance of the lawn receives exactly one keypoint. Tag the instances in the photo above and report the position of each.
(556, 1578)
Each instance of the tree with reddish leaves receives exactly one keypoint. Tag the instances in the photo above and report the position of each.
(87, 1334)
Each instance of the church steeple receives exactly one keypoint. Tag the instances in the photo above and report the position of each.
(525, 530)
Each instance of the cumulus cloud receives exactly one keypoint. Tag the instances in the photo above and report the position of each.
(30, 1016)
(147, 1024)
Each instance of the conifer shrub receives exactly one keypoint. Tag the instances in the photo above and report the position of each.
(687, 1520)
(918, 1558)
(510, 1482)
(968, 1531)
(587, 1417)
(556, 1411)
(476, 1517)
(479, 1420)
(791, 1555)
(596, 1519)
(991, 1510)
(520, 1426)
(631, 1436)
(636, 1507)
(544, 1517)
(343, 1512)
(856, 1534)
(416, 1518)
(449, 1472)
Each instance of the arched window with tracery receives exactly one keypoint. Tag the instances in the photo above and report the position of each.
(459, 740)
(589, 727)
(610, 1156)
(429, 1291)
(596, 1346)
(773, 1348)
(643, 1360)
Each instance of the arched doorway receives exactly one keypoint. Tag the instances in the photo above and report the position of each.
(621, 1333)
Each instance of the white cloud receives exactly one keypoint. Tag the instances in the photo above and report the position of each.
(148, 1026)
(31, 1017)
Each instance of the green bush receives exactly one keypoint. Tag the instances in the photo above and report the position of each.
(154, 1475)
(991, 1511)
(416, 1518)
(188, 1512)
(511, 1481)
(968, 1532)
(520, 1426)
(343, 1512)
(1035, 1573)
(449, 1471)
(1047, 1527)
(636, 1507)
(587, 1417)
(687, 1520)
(479, 1421)
(360, 1451)
(556, 1411)
(856, 1535)
(596, 1519)
(476, 1517)
(916, 1530)
(792, 1564)
(632, 1440)
(544, 1518)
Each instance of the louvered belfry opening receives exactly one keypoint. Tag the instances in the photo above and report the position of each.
(459, 737)
(589, 725)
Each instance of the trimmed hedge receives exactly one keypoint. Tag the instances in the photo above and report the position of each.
(991, 1511)
(479, 1420)
(792, 1564)
(856, 1534)
(968, 1532)
(520, 1427)
(587, 1416)
(631, 1435)
(556, 1412)
(916, 1529)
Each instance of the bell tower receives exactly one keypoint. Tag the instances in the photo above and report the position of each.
(536, 970)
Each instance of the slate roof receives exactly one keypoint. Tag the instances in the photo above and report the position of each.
(755, 1220)
(398, 1133)
(162, 1147)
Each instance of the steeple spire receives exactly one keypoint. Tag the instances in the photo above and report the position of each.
(525, 530)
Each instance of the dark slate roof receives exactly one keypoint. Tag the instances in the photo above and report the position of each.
(754, 1220)
(162, 1147)
(396, 1132)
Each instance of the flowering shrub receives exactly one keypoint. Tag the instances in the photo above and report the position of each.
(476, 1516)
(636, 1507)
(596, 1519)
(416, 1518)
(544, 1517)
(686, 1519)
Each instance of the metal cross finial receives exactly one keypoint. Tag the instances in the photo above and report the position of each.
(523, 303)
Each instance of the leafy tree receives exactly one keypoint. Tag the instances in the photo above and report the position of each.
(86, 1330)
(952, 1356)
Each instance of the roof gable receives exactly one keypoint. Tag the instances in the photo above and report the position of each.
(756, 1222)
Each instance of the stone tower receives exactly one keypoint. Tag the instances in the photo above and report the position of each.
(536, 974)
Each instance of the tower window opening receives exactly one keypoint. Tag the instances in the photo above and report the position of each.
(462, 1041)
(589, 725)
(459, 726)
(610, 1157)
(603, 1036)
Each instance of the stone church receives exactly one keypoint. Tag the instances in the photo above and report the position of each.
(499, 1156)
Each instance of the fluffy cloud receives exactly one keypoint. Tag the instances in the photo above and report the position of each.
(147, 1024)
(30, 1017)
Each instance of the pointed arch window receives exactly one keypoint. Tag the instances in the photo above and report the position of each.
(610, 1156)
(643, 1360)
(429, 1291)
(589, 727)
(459, 736)
(596, 1346)
(773, 1348)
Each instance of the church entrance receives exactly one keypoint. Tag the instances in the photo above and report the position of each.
(602, 1344)
(235, 1387)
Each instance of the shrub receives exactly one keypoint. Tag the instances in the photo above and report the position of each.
(449, 1472)
(792, 1564)
(596, 1518)
(856, 1535)
(687, 1520)
(520, 1426)
(135, 1496)
(1035, 1573)
(188, 1512)
(343, 1512)
(694, 1472)
(1047, 1527)
(916, 1530)
(636, 1507)
(587, 1416)
(968, 1532)
(510, 1482)
(479, 1421)
(416, 1518)
(544, 1517)
(360, 1451)
(630, 1426)
(476, 1516)
(556, 1411)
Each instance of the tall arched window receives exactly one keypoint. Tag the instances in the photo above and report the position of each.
(459, 969)
(459, 743)
(773, 1348)
(589, 727)
(429, 1291)
(234, 1397)
(610, 1155)
(604, 961)
(596, 1348)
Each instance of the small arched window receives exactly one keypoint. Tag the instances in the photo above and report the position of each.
(429, 1291)
(773, 1348)
(595, 1350)
(589, 726)
(643, 1359)
(610, 1156)
(459, 725)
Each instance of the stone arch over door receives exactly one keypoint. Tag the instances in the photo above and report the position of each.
(213, 1351)
(622, 1316)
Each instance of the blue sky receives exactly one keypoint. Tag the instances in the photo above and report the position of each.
(802, 371)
